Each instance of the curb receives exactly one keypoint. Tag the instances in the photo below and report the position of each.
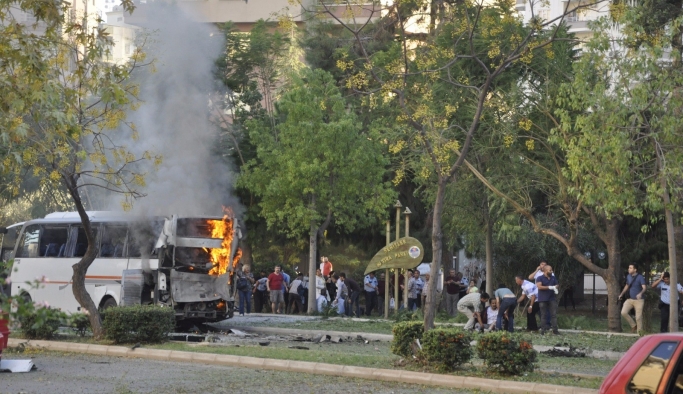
(492, 385)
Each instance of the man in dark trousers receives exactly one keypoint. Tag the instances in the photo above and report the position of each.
(354, 295)
(547, 297)
(530, 292)
(664, 284)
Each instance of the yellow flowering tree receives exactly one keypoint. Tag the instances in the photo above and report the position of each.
(64, 109)
(445, 69)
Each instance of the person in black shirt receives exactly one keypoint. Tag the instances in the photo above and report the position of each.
(331, 287)
(354, 295)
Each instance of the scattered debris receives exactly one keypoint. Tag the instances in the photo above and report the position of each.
(325, 338)
(298, 347)
(15, 366)
(300, 339)
(238, 333)
(336, 340)
(137, 345)
(564, 352)
(264, 343)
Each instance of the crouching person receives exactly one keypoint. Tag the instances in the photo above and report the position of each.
(470, 305)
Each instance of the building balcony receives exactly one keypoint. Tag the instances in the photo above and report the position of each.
(520, 5)
(578, 26)
(349, 14)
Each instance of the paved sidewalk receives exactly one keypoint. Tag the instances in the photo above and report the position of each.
(456, 382)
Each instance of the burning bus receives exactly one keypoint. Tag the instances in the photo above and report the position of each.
(184, 263)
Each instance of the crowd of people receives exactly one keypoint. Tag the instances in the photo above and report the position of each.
(538, 296)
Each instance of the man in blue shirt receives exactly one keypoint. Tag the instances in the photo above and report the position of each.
(635, 284)
(547, 291)
(370, 288)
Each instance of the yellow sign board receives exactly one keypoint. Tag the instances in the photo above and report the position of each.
(406, 252)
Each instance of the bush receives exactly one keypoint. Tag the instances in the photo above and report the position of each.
(448, 348)
(506, 352)
(42, 323)
(80, 323)
(405, 333)
(138, 323)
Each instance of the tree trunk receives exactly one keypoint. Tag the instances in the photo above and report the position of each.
(613, 274)
(437, 242)
(312, 251)
(81, 268)
(489, 255)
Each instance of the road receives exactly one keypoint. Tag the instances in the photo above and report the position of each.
(80, 373)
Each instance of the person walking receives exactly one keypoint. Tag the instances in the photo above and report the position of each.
(260, 293)
(370, 287)
(547, 297)
(664, 284)
(507, 301)
(470, 305)
(294, 297)
(412, 290)
(354, 295)
(245, 281)
(530, 292)
(537, 274)
(635, 285)
(452, 286)
(275, 285)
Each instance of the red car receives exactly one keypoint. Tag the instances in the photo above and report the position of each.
(654, 364)
(4, 333)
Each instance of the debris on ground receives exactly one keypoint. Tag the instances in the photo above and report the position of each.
(298, 347)
(564, 352)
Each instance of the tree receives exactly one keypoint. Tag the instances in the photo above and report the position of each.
(64, 110)
(625, 144)
(440, 77)
(317, 166)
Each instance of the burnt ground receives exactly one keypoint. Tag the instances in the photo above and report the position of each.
(80, 373)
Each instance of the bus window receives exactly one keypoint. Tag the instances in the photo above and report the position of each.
(81, 244)
(53, 241)
(28, 246)
(113, 241)
(142, 238)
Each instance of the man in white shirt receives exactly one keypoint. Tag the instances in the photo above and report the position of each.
(530, 292)
(664, 284)
(294, 298)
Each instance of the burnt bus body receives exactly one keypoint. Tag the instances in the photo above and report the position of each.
(192, 271)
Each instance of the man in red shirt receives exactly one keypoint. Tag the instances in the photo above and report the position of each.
(275, 287)
(325, 266)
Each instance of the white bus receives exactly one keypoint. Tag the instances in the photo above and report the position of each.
(184, 263)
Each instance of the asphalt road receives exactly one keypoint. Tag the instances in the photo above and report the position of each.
(80, 373)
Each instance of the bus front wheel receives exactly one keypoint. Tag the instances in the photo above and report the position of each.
(108, 303)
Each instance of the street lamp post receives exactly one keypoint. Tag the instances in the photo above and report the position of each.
(588, 256)
(407, 213)
(398, 207)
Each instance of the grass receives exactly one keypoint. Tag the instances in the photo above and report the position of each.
(373, 355)
(337, 324)
(615, 343)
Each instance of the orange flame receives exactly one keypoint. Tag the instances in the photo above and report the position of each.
(222, 229)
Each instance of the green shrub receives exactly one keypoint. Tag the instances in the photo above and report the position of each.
(506, 352)
(138, 323)
(405, 334)
(80, 323)
(407, 315)
(41, 323)
(447, 348)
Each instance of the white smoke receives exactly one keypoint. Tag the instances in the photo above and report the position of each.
(173, 120)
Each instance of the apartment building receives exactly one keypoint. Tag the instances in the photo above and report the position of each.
(577, 19)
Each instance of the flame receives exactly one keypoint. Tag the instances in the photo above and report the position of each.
(222, 229)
